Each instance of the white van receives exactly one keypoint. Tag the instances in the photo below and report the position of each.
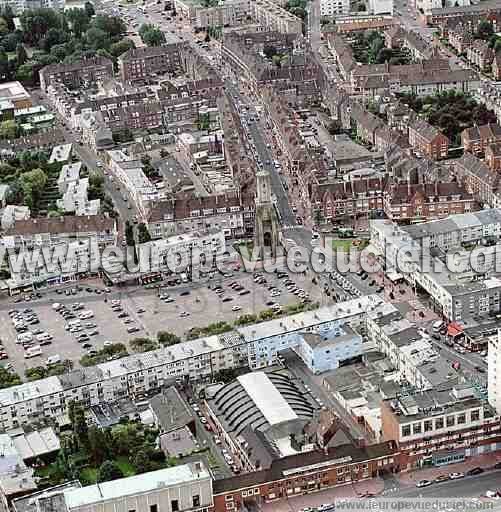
(24, 338)
(56, 306)
(33, 352)
(437, 325)
(53, 359)
(45, 336)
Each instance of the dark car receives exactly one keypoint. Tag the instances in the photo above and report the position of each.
(244, 292)
(379, 289)
(442, 478)
(364, 277)
(87, 345)
(497, 465)
(474, 471)
(184, 292)
(123, 314)
(436, 336)
(480, 369)
(372, 283)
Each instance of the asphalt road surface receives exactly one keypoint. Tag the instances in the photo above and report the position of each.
(461, 488)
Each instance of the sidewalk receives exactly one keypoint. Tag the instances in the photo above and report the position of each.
(485, 461)
(352, 490)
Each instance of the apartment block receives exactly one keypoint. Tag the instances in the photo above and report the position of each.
(255, 346)
(41, 232)
(426, 201)
(275, 18)
(147, 62)
(440, 427)
(84, 73)
(187, 487)
(493, 156)
(477, 138)
(129, 173)
(230, 212)
(428, 140)
(456, 296)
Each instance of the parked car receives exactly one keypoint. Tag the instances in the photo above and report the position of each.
(474, 471)
(424, 483)
(455, 476)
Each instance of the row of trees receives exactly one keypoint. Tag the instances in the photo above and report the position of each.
(151, 35)
(451, 111)
(54, 37)
(109, 450)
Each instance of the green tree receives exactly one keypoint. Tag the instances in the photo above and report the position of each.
(484, 30)
(78, 422)
(98, 447)
(143, 235)
(109, 471)
(8, 379)
(4, 65)
(151, 35)
(116, 49)
(97, 38)
(79, 21)
(167, 338)
(269, 51)
(32, 185)
(334, 127)
(89, 9)
(26, 73)
(142, 462)
(143, 344)
(10, 41)
(8, 129)
(4, 27)
(129, 234)
(21, 55)
(384, 55)
(113, 26)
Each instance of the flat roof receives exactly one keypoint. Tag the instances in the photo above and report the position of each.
(267, 398)
(132, 485)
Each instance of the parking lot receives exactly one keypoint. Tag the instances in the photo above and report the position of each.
(174, 309)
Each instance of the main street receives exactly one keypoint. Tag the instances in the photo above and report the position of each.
(462, 488)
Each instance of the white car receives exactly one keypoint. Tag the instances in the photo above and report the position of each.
(84, 315)
(236, 308)
(455, 476)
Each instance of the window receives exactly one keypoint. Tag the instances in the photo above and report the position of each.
(428, 425)
(196, 500)
(439, 423)
(154, 508)
(416, 428)
(475, 415)
(406, 430)
(174, 505)
(461, 419)
(451, 421)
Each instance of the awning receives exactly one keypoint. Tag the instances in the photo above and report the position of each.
(454, 328)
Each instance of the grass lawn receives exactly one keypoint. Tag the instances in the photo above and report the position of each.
(126, 467)
(89, 474)
(345, 244)
(342, 244)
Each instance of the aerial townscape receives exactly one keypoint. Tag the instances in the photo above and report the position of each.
(250, 254)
